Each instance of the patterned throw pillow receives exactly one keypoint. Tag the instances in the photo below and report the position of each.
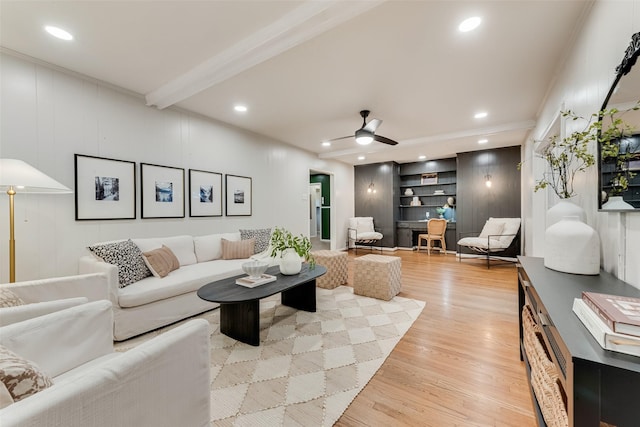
(127, 257)
(262, 236)
(161, 261)
(237, 250)
(21, 377)
(9, 299)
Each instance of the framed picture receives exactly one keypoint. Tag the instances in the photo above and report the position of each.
(238, 195)
(429, 178)
(105, 188)
(162, 191)
(205, 193)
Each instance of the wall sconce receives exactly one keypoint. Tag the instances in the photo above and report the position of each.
(371, 188)
(487, 180)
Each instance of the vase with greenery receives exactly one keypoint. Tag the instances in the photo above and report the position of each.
(568, 156)
(283, 241)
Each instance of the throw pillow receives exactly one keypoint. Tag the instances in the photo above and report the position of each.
(262, 237)
(161, 261)
(237, 250)
(126, 256)
(21, 377)
(492, 228)
(9, 299)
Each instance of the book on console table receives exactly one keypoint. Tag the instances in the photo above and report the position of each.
(607, 339)
(621, 314)
(249, 282)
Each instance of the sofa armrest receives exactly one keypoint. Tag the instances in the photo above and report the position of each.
(164, 382)
(61, 341)
(89, 264)
(9, 315)
(92, 286)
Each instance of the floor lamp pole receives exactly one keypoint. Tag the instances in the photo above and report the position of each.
(12, 242)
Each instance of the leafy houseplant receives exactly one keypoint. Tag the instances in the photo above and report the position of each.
(282, 239)
(614, 150)
(568, 156)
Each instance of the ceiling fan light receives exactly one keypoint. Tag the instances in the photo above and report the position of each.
(363, 137)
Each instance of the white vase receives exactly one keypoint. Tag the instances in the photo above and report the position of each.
(564, 208)
(290, 262)
(616, 203)
(571, 246)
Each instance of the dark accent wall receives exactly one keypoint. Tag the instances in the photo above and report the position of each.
(476, 203)
(383, 204)
(325, 180)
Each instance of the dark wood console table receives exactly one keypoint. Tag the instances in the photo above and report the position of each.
(602, 387)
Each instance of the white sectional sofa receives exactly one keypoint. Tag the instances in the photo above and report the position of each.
(153, 302)
(163, 382)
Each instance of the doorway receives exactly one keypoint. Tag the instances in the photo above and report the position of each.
(320, 210)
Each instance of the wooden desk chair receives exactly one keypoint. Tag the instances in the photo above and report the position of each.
(435, 231)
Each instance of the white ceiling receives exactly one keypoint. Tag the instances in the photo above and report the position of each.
(305, 69)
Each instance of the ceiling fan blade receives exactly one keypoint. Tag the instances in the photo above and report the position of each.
(384, 140)
(337, 139)
(373, 125)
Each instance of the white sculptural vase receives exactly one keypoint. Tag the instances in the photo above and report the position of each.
(290, 262)
(617, 203)
(571, 246)
(562, 209)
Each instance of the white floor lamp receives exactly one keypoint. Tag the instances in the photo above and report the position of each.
(17, 177)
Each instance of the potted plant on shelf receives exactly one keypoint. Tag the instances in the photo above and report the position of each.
(291, 250)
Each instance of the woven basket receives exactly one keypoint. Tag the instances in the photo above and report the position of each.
(544, 377)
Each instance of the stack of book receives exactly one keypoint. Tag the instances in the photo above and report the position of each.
(613, 320)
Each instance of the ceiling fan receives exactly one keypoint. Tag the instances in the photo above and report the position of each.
(367, 133)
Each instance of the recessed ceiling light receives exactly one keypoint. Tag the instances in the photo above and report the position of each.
(481, 115)
(326, 144)
(240, 108)
(483, 141)
(422, 157)
(361, 157)
(58, 32)
(469, 24)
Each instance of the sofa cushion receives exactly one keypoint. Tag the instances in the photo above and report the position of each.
(161, 261)
(209, 247)
(186, 279)
(9, 299)
(238, 250)
(261, 235)
(181, 246)
(127, 256)
(21, 377)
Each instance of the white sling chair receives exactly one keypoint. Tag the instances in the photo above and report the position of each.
(361, 232)
(497, 237)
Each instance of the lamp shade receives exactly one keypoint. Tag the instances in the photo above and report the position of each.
(24, 178)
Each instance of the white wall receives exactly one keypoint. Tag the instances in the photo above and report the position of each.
(581, 86)
(47, 116)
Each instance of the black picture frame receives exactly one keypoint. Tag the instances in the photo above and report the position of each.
(205, 193)
(105, 189)
(162, 191)
(238, 195)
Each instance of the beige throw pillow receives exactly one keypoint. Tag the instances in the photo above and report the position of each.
(9, 299)
(237, 250)
(161, 261)
(21, 377)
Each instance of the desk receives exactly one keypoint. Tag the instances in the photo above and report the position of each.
(407, 232)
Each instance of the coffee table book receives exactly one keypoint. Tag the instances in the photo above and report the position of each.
(607, 339)
(249, 282)
(621, 314)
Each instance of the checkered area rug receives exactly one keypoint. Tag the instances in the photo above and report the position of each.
(309, 366)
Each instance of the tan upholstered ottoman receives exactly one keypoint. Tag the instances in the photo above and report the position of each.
(377, 276)
(336, 264)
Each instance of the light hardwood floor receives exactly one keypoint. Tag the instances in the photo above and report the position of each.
(459, 364)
